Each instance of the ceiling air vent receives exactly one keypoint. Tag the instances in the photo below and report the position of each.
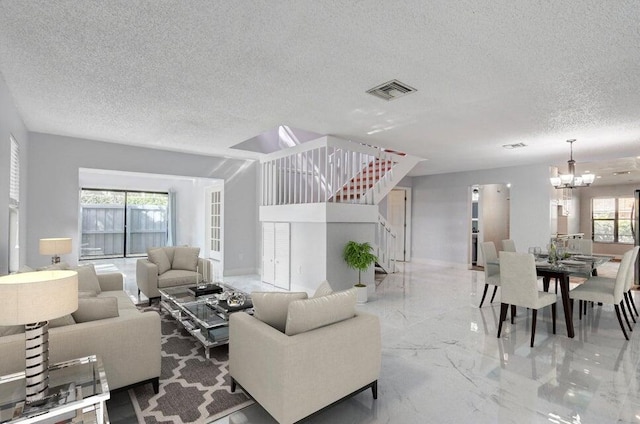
(391, 90)
(514, 145)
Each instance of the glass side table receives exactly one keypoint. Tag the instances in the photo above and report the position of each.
(78, 390)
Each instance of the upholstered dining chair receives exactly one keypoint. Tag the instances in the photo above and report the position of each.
(628, 285)
(508, 246)
(596, 289)
(520, 288)
(491, 270)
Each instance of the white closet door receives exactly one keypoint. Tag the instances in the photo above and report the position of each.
(282, 255)
(268, 253)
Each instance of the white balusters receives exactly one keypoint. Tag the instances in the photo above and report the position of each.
(326, 170)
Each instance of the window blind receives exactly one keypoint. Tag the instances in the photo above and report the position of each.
(14, 179)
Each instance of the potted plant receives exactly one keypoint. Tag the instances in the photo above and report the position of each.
(358, 256)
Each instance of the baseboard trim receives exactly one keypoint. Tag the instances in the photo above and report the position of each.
(436, 262)
(240, 271)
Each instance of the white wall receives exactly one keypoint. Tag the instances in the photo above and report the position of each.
(308, 263)
(441, 210)
(11, 124)
(53, 189)
(339, 275)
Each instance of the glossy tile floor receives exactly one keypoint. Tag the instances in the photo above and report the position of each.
(442, 362)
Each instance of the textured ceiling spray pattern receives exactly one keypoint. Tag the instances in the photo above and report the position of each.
(202, 76)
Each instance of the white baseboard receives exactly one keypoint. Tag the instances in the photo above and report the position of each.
(436, 262)
(240, 271)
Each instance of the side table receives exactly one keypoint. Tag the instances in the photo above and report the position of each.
(81, 390)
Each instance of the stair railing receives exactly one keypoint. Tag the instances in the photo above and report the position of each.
(385, 245)
(326, 170)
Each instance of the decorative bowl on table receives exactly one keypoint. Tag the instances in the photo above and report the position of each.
(236, 299)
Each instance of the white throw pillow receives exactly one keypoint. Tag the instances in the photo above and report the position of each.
(185, 258)
(323, 289)
(95, 308)
(8, 330)
(271, 307)
(87, 279)
(159, 258)
(62, 321)
(309, 314)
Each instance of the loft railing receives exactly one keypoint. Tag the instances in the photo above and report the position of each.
(327, 170)
(385, 245)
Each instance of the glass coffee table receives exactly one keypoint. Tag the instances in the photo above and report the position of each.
(204, 312)
(78, 390)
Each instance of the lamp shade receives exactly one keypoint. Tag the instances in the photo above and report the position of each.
(55, 246)
(32, 297)
(588, 178)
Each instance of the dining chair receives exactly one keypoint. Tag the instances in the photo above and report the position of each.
(596, 289)
(520, 288)
(628, 285)
(491, 269)
(508, 246)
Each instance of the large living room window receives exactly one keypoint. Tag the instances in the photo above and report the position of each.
(611, 220)
(119, 223)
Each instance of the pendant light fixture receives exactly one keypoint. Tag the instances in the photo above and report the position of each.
(570, 179)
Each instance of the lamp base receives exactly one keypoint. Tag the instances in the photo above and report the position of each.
(55, 259)
(36, 361)
(60, 395)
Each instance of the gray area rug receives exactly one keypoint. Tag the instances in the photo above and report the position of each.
(193, 389)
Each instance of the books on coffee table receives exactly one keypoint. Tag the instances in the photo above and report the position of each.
(204, 289)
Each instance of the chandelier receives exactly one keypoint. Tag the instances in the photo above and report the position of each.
(570, 179)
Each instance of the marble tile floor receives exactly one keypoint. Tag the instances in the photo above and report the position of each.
(442, 362)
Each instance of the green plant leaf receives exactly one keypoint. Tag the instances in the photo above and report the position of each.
(358, 256)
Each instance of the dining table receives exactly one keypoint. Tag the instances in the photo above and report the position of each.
(574, 265)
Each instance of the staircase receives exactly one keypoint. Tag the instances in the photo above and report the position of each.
(385, 246)
(331, 171)
(366, 179)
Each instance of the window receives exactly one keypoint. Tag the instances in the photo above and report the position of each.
(14, 178)
(117, 223)
(611, 220)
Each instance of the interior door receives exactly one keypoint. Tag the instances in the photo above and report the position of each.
(397, 215)
(282, 243)
(268, 252)
(215, 229)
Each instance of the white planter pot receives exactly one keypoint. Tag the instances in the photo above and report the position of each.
(361, 293)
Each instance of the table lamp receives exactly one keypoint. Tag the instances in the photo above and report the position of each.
(31, 299)
(55, 247)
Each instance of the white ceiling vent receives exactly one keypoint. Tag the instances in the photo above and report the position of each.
(514, 146)
(391, 90)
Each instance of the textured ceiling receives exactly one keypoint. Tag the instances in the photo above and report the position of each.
(202, 76)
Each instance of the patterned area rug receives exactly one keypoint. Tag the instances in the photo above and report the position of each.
(193, 389)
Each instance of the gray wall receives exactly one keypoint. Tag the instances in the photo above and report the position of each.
(11, 124)
(53, 189)
(339, 275)
(442, 216)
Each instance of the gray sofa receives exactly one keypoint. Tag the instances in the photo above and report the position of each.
(169, 267)
(295, 375)
(128, 344)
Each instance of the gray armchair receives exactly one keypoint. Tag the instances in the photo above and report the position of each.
(168, 267)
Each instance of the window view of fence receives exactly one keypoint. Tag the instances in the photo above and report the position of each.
(119, 223)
